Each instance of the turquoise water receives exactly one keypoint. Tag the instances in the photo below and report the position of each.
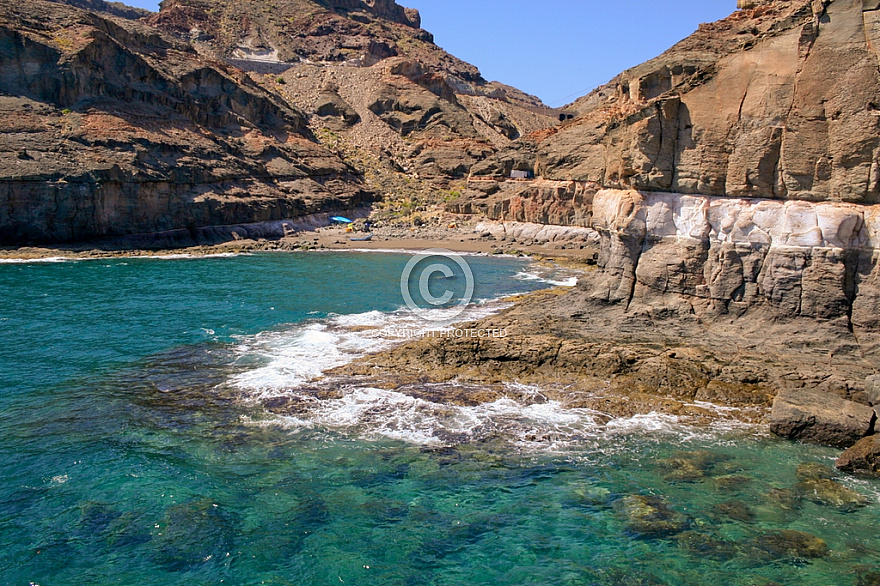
(160, 425)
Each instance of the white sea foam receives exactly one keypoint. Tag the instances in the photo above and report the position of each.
(176, 256)
(378, 413)
(291, 359)
(50, 259)
(288, 359)
(187, 256)
(291, 362)
(374, 414)
(557, 279)
(643, 422)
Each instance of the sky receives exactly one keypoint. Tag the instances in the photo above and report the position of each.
(557, 50)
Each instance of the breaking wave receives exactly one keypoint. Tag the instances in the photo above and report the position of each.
(556, 278)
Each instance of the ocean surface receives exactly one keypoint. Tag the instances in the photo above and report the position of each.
(141, 442)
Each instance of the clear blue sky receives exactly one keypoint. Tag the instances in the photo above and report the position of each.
(557, 50)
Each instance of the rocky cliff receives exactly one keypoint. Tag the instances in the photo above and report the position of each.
(119, 121)
(776, 101)
(737, 171)
(733, 182)
(110, 128)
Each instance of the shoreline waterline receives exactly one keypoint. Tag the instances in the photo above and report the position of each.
(461, 240)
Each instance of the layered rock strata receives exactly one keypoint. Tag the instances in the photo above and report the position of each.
(392, 91)
(111, 128)
(724, 256)
(776, 101)
(733, 182)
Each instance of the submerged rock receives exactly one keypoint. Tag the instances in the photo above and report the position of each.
(791, 544)
(593, 495)
(706, 545)
(862, 457)
(831, 494)
(683, 470)
(732, 482)
(692, 466)
(814, 471)
(651, 516)
(192, 533)
(736, 510)
(779, 506)
(867, 575)
(819, 417)
(96, 517)
(130, 529)
(117, 529)
(784, 498)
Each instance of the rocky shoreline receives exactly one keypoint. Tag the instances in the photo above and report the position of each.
(623, 366)
(315, 232)
(804, 378)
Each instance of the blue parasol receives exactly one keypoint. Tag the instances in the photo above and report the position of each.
(340, 220)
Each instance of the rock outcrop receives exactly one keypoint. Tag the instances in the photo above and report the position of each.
(111, 128)
(864, 457)
(734, 184)
(725, 256)
(776, 101)
(872, 390)
(820, 418)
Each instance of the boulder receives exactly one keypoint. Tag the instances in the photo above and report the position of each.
(818, 417)
(829, 493)
(331, 105)
(651, 516)
(862, 457)
(872, 389)
(792, 544)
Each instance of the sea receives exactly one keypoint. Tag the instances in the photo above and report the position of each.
(166, 420)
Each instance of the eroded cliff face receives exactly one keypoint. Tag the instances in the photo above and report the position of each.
(735, 174)
(733, 183)
(365, 72)
(777, 101)
(111, 128)
(710, 257)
